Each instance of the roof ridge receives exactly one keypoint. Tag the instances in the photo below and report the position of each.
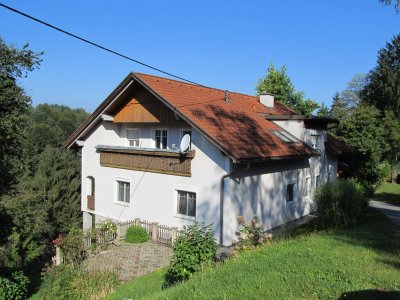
(198, 85)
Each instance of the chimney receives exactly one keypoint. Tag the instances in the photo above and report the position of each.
(267, 100)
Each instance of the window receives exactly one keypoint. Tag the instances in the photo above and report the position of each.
(133, 137)
(315, 141)
(290, 192)
(317, 181)
(123, 192)
(285, 136)
(161, 138)
(330, 168)
(186, 203)
(189, 132)
(308, 187)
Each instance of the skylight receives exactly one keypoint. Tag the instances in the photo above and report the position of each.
(285, 136)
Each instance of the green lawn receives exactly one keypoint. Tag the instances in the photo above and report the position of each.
(389, 193)
(364, 260)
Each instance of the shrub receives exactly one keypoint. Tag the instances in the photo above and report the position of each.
(340, 203)
(136, 235)
(15, 287)
(250, 234)
(69, 282)
(71, 246)
(194, 247)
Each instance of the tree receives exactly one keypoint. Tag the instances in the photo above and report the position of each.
(383, 82)
(396, 3)
(349, 98)
(14, 104)
(363, 132)
(323, 111)
(277, 82)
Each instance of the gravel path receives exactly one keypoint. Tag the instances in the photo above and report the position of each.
(392, 211)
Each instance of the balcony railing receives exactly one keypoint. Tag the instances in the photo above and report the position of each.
(149, 160)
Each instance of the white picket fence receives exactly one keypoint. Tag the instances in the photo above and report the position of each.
(161, 234)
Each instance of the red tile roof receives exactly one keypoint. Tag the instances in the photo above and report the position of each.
(235, 125)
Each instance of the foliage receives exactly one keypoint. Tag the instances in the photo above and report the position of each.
(316, 265)
(362, 131)
(345, 102)
(382, 88)
(194, 247)
(277, 82)
(107, 226)
(323, 111)
(136, 235)
(72, 247)
(250, 234)
(68, 282)
(14, 104)
(396, 3)
(340, 203)
(15, 287)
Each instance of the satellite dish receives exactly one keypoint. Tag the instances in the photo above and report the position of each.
(185, 143)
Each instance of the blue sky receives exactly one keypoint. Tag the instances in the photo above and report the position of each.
(222, 44)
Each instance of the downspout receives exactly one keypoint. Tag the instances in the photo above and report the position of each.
(221, 200)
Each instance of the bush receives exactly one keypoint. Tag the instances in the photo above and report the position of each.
(15, 287)
(69, 282)
(71, 246)
(136, 235)
(251, 234)
(194, 247)
(340, 203)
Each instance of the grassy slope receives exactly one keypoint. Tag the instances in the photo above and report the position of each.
(389, 193)
(318, 265)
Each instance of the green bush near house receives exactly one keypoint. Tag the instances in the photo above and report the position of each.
(340, 203)
(194, 247)
(15, 287)
(69, 282)
(136, 235)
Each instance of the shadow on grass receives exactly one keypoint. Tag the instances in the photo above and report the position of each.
(370, 294)
(389, 198)
(374, 231)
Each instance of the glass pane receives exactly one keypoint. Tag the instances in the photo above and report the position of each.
(192, 205)
(289, 192)
(158, 142)
(120, 191)
(164, 142)
(182, 204)
(127, 192)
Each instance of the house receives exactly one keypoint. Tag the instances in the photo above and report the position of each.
(248, 156)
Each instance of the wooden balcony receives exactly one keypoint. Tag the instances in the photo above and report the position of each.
(90, 202)
(148, 160)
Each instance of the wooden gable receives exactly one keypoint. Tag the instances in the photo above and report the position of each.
(143, 107)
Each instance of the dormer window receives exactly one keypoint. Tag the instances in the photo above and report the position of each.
(161, 138)
(133, 137)
(285, 136)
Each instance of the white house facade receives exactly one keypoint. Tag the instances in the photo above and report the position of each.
(247, 156)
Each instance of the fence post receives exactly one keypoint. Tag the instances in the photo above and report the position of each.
(118, 232)
(174, 234)
(154, 231)
(137, 221)
(58, 256)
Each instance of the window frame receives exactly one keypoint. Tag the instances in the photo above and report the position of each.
(292, 184)
(161, 138)
(308, 185)
(128, 140)
(317, 181)
(188, 190)
(116, 193)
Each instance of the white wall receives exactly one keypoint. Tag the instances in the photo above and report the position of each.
(261, 190)
(153, 196)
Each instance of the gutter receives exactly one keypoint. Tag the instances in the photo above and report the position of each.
(221, 200)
